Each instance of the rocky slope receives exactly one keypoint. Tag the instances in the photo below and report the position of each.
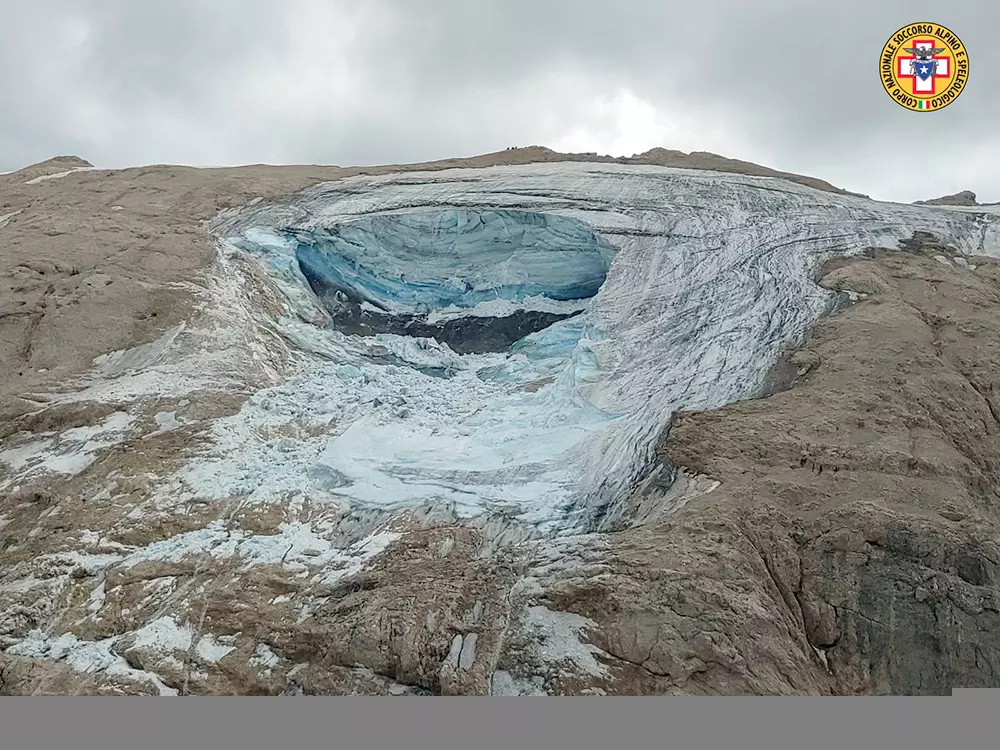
(961, 198)
(208, 484)
(141, 225)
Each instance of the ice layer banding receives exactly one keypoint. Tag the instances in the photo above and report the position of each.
(528, 387)
(464, 278)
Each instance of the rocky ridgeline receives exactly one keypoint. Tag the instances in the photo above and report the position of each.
(961, 198)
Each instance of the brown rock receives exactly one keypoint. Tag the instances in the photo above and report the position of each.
(850, 547)
(961, 198)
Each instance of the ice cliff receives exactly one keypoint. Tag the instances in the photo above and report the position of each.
(510, 343)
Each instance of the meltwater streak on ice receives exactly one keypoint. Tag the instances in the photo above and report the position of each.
(713, 276)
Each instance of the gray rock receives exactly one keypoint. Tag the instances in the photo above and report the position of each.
(961, 198)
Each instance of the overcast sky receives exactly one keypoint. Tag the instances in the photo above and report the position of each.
(792, 84)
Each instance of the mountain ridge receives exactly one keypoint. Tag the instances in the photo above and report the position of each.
(797, 489)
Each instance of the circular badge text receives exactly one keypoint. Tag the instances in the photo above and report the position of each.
(924, 67)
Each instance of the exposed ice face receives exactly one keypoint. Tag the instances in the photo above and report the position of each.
(711, 278)
(475, 280)
(425, 261)
(411, 423)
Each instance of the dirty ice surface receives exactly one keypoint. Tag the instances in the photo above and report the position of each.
(681, 289)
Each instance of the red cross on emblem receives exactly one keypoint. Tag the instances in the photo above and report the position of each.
(923, 85)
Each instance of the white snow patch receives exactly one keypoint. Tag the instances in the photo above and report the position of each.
(165, 422)
(23, 584)
(25, 455)
(69, 463)
(164, 635)
(295, 545)
(58, 175)
(264, 658)
(72, 451)
(123, 361)
(97, 598)
(201, 541)
(5, 218)
(92, 564)
(88, 657)
(558, 640)
(119, 421)
(158, 587)
(506, 684)
(210, 650)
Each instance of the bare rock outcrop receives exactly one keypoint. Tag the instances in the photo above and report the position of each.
(843, 538)
(961, 198)
(853, 544)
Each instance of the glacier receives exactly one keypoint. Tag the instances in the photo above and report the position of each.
(608, 297)
(461, 277)
(457, 257)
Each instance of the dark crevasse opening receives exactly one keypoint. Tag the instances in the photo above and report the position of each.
(477, 281)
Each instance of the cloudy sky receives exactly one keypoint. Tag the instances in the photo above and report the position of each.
(786, 83)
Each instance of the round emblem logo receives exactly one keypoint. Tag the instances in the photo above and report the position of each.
(924, 66)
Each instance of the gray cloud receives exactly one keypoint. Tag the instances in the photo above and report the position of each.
(789, 84)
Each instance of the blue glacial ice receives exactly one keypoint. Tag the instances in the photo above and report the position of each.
(415, 422)
(426, 262)
(684, 287)
(477, 281)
